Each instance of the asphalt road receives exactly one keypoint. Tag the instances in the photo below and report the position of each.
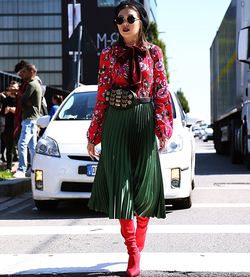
(210, 239)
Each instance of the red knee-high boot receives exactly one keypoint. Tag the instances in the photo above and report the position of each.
(141, 230)
(128, 232)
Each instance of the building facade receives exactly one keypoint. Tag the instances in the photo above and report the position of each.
(38, 31)
(32, 30)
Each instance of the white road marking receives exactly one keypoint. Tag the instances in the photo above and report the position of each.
(221, 205)
(115, 229)
(225, 187)
(110, 262)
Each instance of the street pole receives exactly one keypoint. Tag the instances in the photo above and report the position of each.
(74, 52)
(78, 62)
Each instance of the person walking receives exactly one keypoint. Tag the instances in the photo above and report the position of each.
(31, 105)
(133, 105)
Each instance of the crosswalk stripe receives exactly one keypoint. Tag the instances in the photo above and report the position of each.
(114, 229)
(221, 205)
(225, 187)
(111, 262)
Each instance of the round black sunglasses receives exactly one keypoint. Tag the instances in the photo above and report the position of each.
(119, 20)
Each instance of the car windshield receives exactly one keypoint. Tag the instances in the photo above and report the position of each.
(79, 106)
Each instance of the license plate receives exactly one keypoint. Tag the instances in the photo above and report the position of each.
(91, 169)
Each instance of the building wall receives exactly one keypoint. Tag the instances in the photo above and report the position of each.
(31, 30)
(37, 31)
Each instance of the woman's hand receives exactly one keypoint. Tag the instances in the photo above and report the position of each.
(162, 143)
(91, 150)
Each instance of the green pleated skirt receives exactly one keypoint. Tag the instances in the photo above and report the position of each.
(128, 178)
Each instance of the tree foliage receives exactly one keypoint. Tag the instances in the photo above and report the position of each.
(153, 37)
(183, 100)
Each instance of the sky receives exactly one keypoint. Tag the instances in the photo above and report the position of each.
(188, 29)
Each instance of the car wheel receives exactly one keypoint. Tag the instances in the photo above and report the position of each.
(46, 205)
(184, 203)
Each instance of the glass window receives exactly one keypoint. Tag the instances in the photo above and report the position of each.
(8, 65)
(21, 22)
(107, 3)
(79, 106)
(7, 6)
(48, 64)
(49, 50)
(46, 21)
(30, 36)
(8, 51)
(30, 6)
(50, 79)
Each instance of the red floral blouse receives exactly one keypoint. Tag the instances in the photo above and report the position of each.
(152, 83)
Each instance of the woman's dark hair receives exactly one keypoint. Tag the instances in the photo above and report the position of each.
(20, 65)
(143, 17)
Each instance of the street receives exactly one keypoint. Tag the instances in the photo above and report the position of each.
(210, 239)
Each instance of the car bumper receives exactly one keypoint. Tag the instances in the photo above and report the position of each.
(60, 178)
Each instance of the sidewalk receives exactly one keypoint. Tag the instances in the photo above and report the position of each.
(14, 186)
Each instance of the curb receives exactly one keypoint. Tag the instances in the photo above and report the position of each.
(13, 187)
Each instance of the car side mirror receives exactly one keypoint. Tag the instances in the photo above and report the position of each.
(43, 121)
(243, 54)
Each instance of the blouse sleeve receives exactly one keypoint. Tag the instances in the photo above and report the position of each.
(104, 84)
(161, 97)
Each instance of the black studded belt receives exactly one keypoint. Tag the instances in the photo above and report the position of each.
(124, 98)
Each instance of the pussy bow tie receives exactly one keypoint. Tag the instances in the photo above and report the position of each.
(132, 54)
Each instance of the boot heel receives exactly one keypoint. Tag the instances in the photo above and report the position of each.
(134, 265)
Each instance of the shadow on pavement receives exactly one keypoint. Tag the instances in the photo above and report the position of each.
(214, 164)
(143, 274)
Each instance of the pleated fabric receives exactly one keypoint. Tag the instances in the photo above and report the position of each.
(128, 178)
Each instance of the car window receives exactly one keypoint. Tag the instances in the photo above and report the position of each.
(173, 107)
(79, 106)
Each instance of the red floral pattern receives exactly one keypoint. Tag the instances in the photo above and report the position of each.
(154, 84)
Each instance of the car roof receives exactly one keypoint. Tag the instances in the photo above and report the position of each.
(83, 88)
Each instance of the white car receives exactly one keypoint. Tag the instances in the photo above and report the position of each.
(62, 169)
(208, 133)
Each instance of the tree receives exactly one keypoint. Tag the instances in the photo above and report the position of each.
(183, 100)
(153, 37)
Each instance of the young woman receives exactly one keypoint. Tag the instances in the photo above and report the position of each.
(133, 105)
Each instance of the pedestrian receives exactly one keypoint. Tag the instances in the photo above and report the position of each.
(31, 106)
(56, 101)
(132, 106)
(8, 110)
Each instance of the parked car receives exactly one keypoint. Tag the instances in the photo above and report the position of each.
(208, 133)
(62, 169)
(196, 130)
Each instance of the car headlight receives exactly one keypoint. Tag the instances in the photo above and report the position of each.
(175, 144)
(47, 146)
